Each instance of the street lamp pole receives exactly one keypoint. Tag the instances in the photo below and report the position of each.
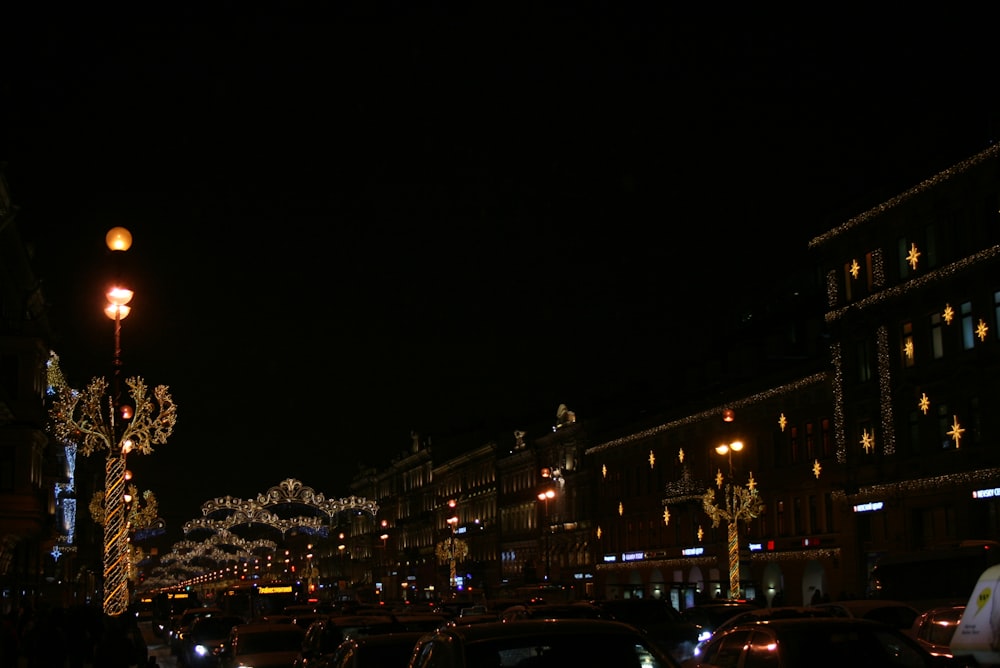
(545, 497)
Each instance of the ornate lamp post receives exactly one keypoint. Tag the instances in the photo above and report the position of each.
(96, 421)
(737, 503)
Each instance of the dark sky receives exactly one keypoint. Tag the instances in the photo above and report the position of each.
(352, 222)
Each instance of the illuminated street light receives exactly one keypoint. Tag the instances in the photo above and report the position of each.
(738, 503)
(97, 422)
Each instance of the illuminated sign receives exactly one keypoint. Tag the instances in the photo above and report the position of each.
(279, 589)
(756, 547)
(868, 507)
(810, 542)
(986, 493)
(692, 551)
(610, 558)
(633, 556)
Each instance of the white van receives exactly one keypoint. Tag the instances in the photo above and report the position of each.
(978, 635)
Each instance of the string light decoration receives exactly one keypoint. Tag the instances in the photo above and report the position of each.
(712, 413)
(885, 396)
(867, 441)
(978, 477)
(737, 503)
(88, 420)
(451, 552)
(936, 180)
(956, 432)
(839, 430)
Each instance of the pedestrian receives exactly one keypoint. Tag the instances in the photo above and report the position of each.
(115, 649)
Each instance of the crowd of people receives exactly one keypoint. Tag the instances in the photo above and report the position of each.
(73, 637)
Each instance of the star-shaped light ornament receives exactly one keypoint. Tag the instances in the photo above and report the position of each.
(604, 470)
(701, 534)
(719, 479)
(867, 441)
(948, 314)
(912, 256)
(621, 509)
(855, 268)
(666, 517)
(680, 455)
(817, 469)
(924, 404)
(652, 459)
(956, 432)
(751, 483)
(599, 533)
(782, 421)
(981, 330)
(908, 350)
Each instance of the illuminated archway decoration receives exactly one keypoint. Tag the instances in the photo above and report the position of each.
(316, 512)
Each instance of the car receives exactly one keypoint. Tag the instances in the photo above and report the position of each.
(895, 613)
(539, 643)
(385, 650)
(263, 645)
(183, 623)
(765, 614)
(324, 635)
(817, 642)
(935, 628)
(711, 614)
(660, 620)
(205, 640)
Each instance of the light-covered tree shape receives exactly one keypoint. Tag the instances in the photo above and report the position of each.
(88, 419)
(451, 552)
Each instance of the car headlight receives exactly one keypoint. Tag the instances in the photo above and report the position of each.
(704, 635)
(201, 650)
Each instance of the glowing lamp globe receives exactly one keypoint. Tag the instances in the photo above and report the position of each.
(118, 239)
(116, 311)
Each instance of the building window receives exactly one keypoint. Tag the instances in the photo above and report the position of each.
(828, 511)
(863, 351)
(7, 468)
(944, 426)
(800, 527)
(968, 327)
(813, 515)
(996, 314)
(780, 518)
(810, 442)
(793, 442)
(908, 352)
(937, 336)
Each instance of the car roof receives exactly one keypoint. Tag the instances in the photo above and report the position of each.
(265, 627)
(531, 627)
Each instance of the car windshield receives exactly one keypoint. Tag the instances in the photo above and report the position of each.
(816, 645)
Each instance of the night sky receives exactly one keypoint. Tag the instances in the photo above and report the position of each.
(356, 220)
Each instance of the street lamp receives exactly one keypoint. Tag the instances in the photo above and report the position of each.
(96, 422)
(738, 503)
(545, 497)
